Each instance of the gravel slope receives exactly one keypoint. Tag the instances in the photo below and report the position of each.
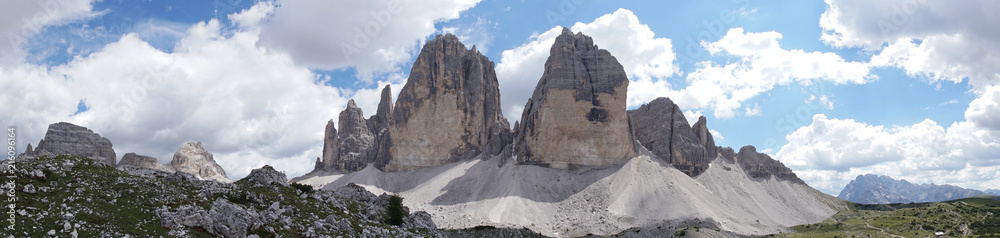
(556, 202)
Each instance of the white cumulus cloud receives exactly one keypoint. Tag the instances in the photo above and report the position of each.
(940, 40)
(830, 152)
(250, 106)
(762, 65)
(373, 37)
(20, 20)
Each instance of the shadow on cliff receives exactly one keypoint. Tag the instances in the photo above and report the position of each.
(479, 180)
(497, 178)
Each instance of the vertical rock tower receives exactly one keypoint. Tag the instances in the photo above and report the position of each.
(576, 116)
(448, 110)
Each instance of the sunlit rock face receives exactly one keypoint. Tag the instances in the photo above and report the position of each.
(576, 116)
(192, 158)
(449, 109)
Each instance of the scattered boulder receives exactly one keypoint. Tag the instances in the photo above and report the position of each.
(419, 220)
(231, 220)
(192, 158)
(179, 177)
(142, 161)
(223, 218)
(449, 109)
(186, 215)
(661, 127)
(576, 116)
(65, 138)
(266, 176)
(762, 166)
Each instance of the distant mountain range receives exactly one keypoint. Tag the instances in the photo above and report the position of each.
(879, 189)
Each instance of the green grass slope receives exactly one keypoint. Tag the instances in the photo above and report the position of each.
(968, 217)
(67, 196)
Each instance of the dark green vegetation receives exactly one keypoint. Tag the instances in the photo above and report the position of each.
(968, 217)
(303, 187)
(78, 197)
(395, 212)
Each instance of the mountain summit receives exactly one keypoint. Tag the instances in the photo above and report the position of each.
(576, 163)
(878, 189)
(448, 111)
(576, 116)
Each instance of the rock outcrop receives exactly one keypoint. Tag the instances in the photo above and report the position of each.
(762, 166)
(142, 161)
(265, 176)
(64, 138)
(192, 158)
(879, 189)
(448, 110)
(661, 127)
(576, 115)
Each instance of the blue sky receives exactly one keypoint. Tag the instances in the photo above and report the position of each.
(849, 87)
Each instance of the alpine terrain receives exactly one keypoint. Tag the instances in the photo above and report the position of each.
(576, 163)
(879, 189)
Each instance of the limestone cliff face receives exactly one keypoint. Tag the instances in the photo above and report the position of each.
(331, 148)
(356, 142)
(661, 127)
(576, 116)
(65, 138)
(448, 110)
(378, 122)
(192, 158)
(356, 139)
(700, 129)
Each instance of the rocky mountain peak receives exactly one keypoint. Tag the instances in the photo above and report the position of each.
(331, 147)
(448, 110)
(760, 165)
(576, 115)
(700, 129)
(64, 138)
(661, 127)
(879, 189)
(192, 158)
(380, 120)
(356, 139)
